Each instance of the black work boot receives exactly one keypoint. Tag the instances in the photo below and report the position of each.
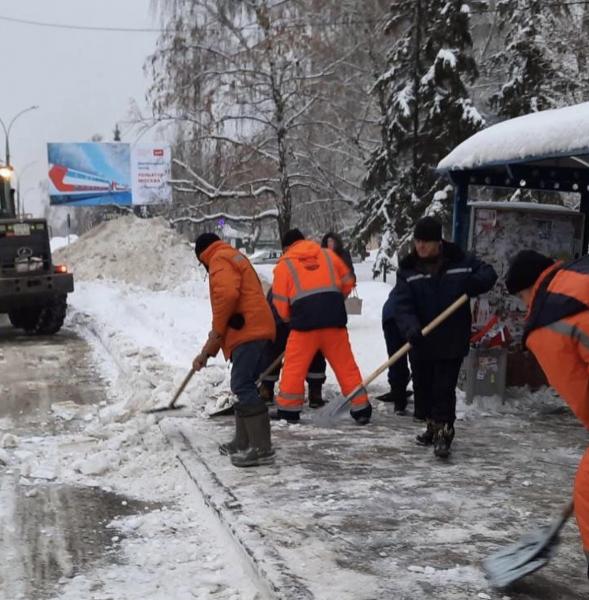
(240, 440)
(266, 392)
(427, 437)
(315, 396)
(260, 451)
(443, 436)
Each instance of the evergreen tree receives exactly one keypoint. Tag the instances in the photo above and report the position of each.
(426, 111)
(537, 62)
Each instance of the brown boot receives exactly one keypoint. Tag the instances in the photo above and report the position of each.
(427, 437)
(443, 436)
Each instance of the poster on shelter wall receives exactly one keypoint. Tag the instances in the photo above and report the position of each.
(98, 174)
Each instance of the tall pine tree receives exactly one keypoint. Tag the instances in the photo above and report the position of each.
(426, 111)
(536, 60)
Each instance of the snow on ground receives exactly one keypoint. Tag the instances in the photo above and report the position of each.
(142, 303)
(61, 242)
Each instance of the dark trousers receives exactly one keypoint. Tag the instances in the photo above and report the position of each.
(246, 368)
(316, 372)
(399, 372)
(434, 388)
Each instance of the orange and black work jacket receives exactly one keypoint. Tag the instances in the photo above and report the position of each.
(240, 311)
(309, 287)
(557, 331)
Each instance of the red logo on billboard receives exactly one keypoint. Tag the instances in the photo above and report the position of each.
(158, 152)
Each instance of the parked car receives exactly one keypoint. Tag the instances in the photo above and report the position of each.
(266, 256)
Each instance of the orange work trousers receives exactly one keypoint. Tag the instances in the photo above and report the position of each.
(301, 347)
(581, 499)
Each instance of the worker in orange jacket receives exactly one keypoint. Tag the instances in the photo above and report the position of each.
(308, 292)
(242, 325)
(557, 332)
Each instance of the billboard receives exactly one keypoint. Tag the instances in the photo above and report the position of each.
(94, 174)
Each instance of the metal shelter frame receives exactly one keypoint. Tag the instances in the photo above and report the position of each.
(568, 172)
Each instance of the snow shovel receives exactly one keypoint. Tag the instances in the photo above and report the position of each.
(172, 405)
(527, 555)
(229, 410)
(330, 413)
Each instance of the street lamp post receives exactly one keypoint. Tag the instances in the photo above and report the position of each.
(20, 209)
(7, 193)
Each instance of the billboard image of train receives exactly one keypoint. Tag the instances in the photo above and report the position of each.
(89, 174)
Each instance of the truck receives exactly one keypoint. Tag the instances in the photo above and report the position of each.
(33, 290)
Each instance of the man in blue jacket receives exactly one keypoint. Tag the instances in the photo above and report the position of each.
(432, 277)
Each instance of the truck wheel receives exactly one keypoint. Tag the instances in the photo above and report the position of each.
(24, 318)
(50, 318)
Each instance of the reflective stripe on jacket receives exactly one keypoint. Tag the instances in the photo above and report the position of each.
(309, 287)
(557, 331)
(235, 289)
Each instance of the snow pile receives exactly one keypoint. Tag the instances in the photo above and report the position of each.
(546, 133)
(61, 242)
(144, 252)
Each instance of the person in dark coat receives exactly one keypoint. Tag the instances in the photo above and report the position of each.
(334, 242)
(430, 279)
(398, 373)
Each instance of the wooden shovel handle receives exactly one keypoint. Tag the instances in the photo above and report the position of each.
(407, 346)
(269, 369)
(182, 386)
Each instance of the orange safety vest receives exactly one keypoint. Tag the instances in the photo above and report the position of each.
(557, 331)
(309, 287)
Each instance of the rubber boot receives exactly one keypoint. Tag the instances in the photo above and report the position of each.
(443, 436)
(239, 443)
(266, 392)
(260, 451)
(315, 396)
(290, 416)
(427, 437)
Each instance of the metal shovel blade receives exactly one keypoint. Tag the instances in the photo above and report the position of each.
(525, 556)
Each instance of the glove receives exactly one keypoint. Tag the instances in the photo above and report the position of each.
(415, 338)
(362, 416)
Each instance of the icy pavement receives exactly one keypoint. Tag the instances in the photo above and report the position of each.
(364, 513)
(91, 508)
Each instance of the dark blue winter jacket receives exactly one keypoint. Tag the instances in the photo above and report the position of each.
(420, 295)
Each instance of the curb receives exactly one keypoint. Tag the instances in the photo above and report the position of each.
(274, 576)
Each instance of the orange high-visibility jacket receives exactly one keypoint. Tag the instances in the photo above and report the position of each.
(557, 331)
(235, 290)
(309, 287)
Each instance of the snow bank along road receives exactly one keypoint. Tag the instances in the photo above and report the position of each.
(92, 507)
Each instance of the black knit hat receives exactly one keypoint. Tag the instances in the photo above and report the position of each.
(292, 236)
(428, 229)
(203, 241)
(524, 269)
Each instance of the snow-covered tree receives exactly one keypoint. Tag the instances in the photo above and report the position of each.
(535, 57)
(425, 112)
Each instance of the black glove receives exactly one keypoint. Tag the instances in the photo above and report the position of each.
(237, 321)
(415, 338)
(362, 416)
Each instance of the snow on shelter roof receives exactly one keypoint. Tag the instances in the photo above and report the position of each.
(523, 206)
(538, 136)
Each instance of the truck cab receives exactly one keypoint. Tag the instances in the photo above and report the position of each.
(33, 290)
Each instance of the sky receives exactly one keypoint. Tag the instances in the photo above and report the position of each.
(82, 81)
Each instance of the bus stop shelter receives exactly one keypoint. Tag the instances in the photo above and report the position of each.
(546, 151)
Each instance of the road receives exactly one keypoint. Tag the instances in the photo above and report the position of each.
(48, 530)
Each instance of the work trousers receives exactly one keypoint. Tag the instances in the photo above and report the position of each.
(316, 372)
(398, 374)
(434, 388)
(301, 347)
(581, 499)
(246, 368)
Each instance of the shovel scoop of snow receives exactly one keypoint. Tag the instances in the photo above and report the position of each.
(530, 553)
